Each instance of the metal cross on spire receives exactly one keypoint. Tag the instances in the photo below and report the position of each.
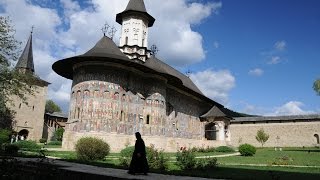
(112, 32)
(154, 50)
(32, 28)
(105, 28)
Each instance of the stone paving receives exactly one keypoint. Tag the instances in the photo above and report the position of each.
(110, 173)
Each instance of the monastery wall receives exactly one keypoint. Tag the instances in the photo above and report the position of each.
(30, 116)
(285, 134)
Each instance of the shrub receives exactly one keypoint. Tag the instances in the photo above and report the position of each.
(58, 143)
(28, 145)
(224, 149)
(156, 159)
(186, 159)
(125, 156)
(5, 136)
(207, 163)
(11, 149)
(247, 150)
(90, 149)
(43, 140)
(282, 160)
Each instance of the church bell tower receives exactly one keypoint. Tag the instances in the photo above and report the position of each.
(135, 22)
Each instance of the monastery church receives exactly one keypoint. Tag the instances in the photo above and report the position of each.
(119, 90)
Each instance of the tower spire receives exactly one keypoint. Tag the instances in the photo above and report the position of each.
(135, 21)
(25, 63)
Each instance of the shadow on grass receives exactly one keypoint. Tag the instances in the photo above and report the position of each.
(304, 150)
(245, 173)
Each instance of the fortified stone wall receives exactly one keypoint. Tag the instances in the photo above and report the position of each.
(30, 116)
(285, 134)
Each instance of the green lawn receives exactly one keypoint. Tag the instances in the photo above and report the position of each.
(296, 156)
(228, 169)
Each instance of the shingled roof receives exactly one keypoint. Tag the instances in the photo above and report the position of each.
(105, 49)
(26, 58)
(164, 68)
(214, 112)
(135, 7)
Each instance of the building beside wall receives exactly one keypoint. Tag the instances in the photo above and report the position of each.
(119, 90)
(28, 120)
(52, 122)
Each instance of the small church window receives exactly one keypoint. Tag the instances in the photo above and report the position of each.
(19, 105)
(122, 116)
(148, 119)
(127, 39)
(32, 108)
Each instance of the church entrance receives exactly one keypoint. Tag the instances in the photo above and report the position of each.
(211, 131)
(317, 138)
(23, 134)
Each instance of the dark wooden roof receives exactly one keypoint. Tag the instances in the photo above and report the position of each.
(164, 68)
(26, 58)
(135, 7)
(278, 118)
(214, 112)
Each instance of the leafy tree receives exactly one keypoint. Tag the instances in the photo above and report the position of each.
(52, 107)
(262, 137)
(58, 134)
(316, 86)
(12, 83)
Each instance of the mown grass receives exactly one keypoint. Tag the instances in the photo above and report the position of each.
(225, 169)
(296, 156)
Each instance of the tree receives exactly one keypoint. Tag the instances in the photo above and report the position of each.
(316, 86)
(12, 83)
(52, 107)
(262, 137)
(58, 134)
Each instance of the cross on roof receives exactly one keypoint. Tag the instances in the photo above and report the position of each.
(32, 27)
(112, 32)
(105, 28)
(154, 50)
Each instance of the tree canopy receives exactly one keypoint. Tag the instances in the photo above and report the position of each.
(316, 86)
(52, 107)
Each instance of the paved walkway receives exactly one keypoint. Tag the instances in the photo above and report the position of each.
(109, 172)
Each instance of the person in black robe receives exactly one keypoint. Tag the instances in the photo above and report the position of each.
(139, 163)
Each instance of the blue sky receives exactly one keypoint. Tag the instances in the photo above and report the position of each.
(258, 57)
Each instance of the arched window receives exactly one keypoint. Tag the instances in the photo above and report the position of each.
(317, 138)
(127, 39)
(32, 108)
(122, 116)
(148, 119)
(19, 105)
(78, 113)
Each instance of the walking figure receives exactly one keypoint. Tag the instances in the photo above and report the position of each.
(139, 163)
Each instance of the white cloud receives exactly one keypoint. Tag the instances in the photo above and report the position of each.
(256, 72)
(274, 60)
(214, 84)
(290, 108)
(280, 45)
(216, 44)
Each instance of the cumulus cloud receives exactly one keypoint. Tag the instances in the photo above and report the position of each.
(64, 29)
(216, 44)
(280, 45)
(214, 84)
(274, 60)
(291, 108)
(256, 72)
